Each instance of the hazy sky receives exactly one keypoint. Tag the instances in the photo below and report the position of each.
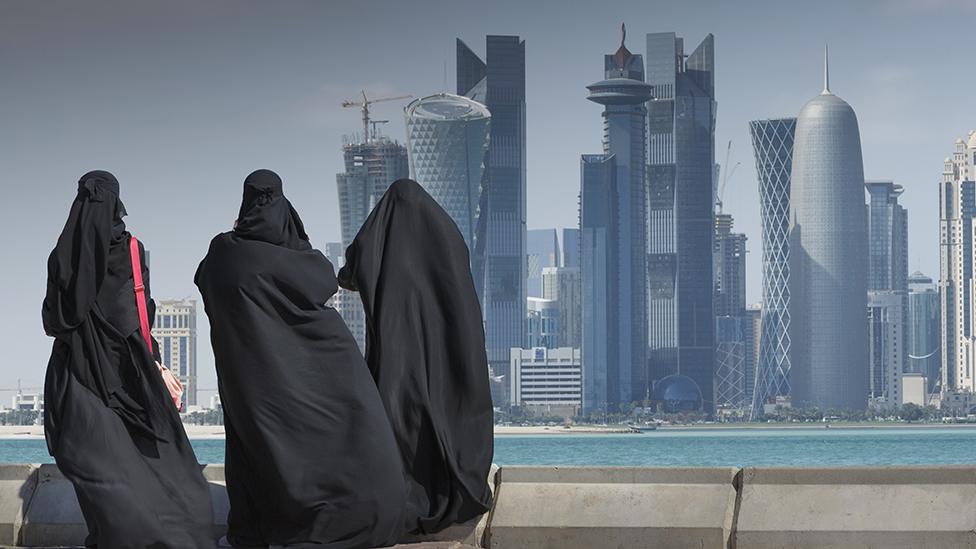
(182, 99)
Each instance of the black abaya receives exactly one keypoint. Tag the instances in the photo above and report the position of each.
(426, 350)
(108, 420)
(310, 456)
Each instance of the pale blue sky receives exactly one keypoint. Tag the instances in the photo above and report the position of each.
(181, 99)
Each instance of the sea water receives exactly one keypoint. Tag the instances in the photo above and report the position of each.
(774, 447)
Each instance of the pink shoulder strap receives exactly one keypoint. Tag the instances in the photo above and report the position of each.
(140, 292)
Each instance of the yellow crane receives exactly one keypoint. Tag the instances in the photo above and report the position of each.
(364, 105)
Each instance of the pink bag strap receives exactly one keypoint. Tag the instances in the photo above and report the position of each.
(140, 293)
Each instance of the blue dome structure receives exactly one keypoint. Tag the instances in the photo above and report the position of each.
(677, 393)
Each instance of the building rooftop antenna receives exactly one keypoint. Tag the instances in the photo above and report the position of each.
(826, 90)
(364, 106)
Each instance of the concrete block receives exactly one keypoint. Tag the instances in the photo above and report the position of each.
(469, 533)
(53, 517)
(214, 474)
(857, 508)
(17, 485)
(625, 508)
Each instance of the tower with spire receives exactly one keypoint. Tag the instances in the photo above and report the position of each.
(613, 226)
(828, 257)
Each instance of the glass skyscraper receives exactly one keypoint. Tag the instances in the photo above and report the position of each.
(447, 139)
(681, 172)
(923, 351)
(887, 290)
(613, 228)
(498, 82)
(887, 237)
(828, 258)
(729, 265)
(772, 144)
(542, 249)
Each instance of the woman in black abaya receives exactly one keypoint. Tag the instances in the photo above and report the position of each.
(108, 419)
(310, 458)
(426, 350)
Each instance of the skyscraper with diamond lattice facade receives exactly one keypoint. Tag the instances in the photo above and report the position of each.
(447, 139)
(772, 144)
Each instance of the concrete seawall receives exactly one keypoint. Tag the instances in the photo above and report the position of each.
(569, 508)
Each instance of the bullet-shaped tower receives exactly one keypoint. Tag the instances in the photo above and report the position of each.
(828, 257)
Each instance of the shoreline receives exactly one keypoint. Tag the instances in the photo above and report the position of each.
(216, 432)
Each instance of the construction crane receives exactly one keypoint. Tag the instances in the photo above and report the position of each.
(364, 105)
(725, 176)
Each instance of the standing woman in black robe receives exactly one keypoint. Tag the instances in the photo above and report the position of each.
(108, 419)
(425, 347)
(310, 456)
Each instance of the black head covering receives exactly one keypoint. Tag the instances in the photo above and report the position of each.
(426, 350)
(79, 263)
(267, 215)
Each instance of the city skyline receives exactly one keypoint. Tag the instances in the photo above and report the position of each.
(199, 170)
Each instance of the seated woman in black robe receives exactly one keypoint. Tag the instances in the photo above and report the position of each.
(108, 419)
(310, 456)
(426, 350)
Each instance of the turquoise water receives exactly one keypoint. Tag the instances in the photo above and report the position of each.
(730, 447)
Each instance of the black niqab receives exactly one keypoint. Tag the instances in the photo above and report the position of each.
(108, 420)
(426, 351)
(310, 456)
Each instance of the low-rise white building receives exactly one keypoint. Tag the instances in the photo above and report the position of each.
(547, 381)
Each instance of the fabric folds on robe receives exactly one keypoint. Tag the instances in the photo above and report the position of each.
(310, 455)
(108, 420)
(426, 351)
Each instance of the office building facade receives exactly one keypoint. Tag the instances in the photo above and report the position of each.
(886, 347)
(731, 329)
(772, 145)
(498, 82)
(613, 229)
(828, 258)
(372, 164)
(562, 284)
(923, 346)
(447, 142)
(681, 173)
(546, 381)
(175, 330)
(544, 320)
(542, 250)
(957, 207)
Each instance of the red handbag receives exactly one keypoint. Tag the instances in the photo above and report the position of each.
(171, 382)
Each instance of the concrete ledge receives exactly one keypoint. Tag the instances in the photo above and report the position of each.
(566, 508)
(17, 485)
(849, 508)
(214, 474)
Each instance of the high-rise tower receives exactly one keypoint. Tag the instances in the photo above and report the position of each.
(498, 82)
(372, 164)
(613, 229)
(447, 139)
(828, 258)
(681, 158)
(772, 144)
(957, 207)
